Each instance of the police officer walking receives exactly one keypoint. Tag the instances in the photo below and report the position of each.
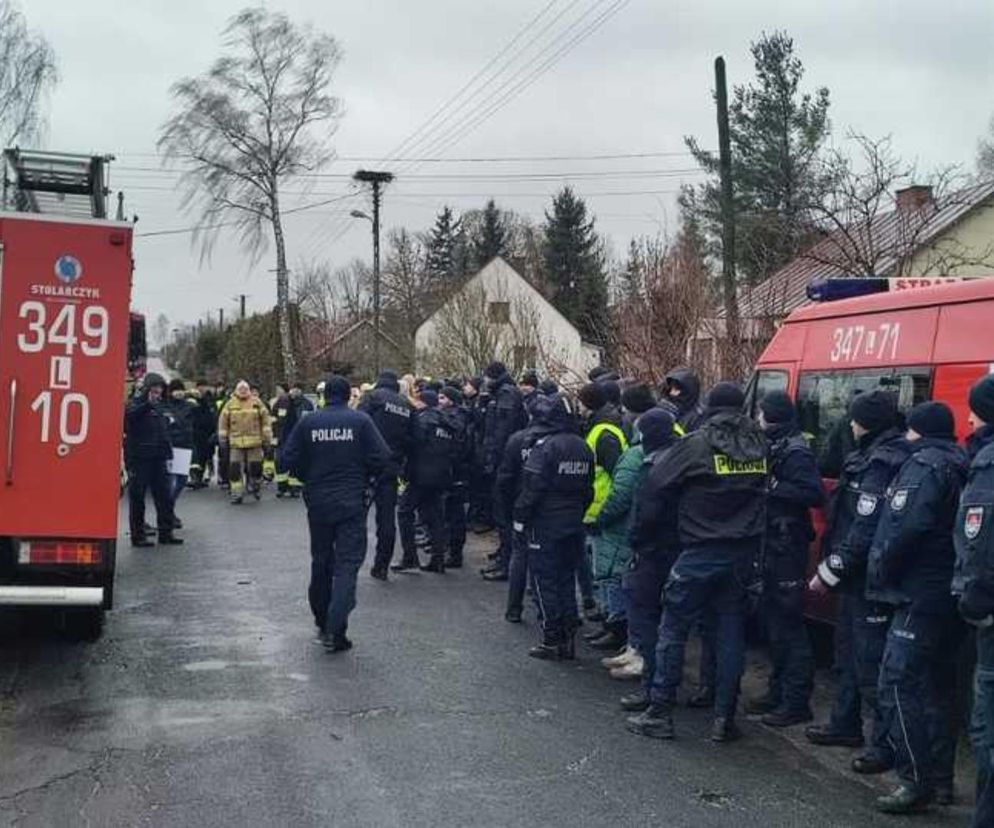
(715, 480)
(338, 454)
(429, 476)
(793, 489)
(394, 417)
(861, 628)
(973, 582)
(557, 487)
(911, 568)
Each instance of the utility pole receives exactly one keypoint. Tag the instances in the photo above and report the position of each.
(728, 281)
(376, 179)
(220, 318)
(241, 305)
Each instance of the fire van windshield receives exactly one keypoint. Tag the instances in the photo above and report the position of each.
(823, 397)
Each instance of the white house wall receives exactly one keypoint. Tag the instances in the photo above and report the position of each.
(501, 283)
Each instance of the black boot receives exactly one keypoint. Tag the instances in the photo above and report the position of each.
(337, 643)
(404, 565)
(656, 722)
(141, 542)
(169, 539)
(453, 561)
(567, 646)
(496, 574)
(826, 735)
(434, 565)
(379, 572)
(549, 649)
(724, 729)
(635, 702)
(904, 800)
(615, 637)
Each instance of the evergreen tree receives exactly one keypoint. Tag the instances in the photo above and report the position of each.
(491, 235)
(778, 134)
(574, 266)
(442, 247)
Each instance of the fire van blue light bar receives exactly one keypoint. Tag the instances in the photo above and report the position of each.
(831, 290)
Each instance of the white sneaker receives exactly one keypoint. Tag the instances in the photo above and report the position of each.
(621, 659)
(632, 671)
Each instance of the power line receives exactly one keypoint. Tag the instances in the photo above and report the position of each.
(496, 159)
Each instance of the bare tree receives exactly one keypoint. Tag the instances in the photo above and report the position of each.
(985, 154)
(871, 230)
(259, 116)
(337, 296)
(406, 287)
(27, 74)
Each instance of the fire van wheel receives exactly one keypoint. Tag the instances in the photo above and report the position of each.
(83, 624)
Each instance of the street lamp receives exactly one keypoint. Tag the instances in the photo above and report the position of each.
(376, 180)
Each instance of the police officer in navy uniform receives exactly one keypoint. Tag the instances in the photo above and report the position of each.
(557, 487)
(973, 582)
(394, 417)
(146, 452)
(457, 495)
(504, 414)
(861, 628)
(338, 454)
(793, 489)
(715, 481)
(910, 568)
(429, 477)
(506, 491)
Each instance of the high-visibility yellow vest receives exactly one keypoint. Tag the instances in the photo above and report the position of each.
(602, 477)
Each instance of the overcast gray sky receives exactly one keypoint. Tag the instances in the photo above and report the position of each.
(916, 69)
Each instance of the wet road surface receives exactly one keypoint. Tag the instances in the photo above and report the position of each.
(206, 702)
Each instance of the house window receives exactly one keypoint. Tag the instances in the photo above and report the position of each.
(525, 356)
(500, 312)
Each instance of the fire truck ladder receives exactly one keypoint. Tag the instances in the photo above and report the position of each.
(55, 183)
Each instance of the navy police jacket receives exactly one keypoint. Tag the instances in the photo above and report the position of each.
(856, 507)
(394, 417)
(973, 579)
(504, 414)
(715, 480)
(911, 557)
(793, 490)
(508, 483)
(654, 535)
(433, 451)
(557, 483)
(337, 453)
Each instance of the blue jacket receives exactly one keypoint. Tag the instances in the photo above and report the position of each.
(911, 558)
(337, 453)
(973, 578)
(856, 507)
(557, 483)
(793, 489)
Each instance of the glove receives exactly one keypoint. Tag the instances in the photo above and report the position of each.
(972, 617)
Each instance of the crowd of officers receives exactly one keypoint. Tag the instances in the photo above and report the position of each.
(671, 513)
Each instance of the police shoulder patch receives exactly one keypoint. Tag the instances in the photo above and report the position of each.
(973, 521)
(899, 500)
(866, 505)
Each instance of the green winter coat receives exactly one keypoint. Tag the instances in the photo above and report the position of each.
(612, 550)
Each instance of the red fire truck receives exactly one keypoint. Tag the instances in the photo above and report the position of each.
(65, 285)
(922, 342)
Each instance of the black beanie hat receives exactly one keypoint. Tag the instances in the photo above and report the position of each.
(656, 427)
(548, 387)
(638, 398)
(875, 410)
(337, 388)
(593, 396)
(932, 419)
(429, 397)
(529, 378)
(495, 370)
(388, 379)
(725, 395)
(982, 399)
(612, 390)
(176, 385)
(777, 408)
(453, 394)
(596, 373)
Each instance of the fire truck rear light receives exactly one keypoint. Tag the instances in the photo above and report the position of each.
(80, 553)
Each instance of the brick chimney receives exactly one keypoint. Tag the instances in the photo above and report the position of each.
(914, 198)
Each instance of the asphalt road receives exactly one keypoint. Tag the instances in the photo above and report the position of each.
(205, 703)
